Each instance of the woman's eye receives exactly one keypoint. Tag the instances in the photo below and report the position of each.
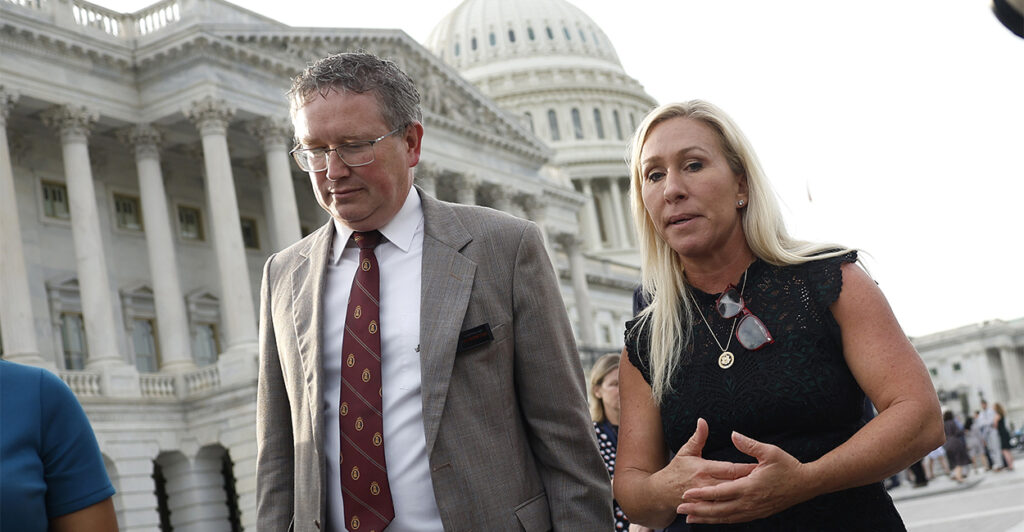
(694, 166)
(655, 176)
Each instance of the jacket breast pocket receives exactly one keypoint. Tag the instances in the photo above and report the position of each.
(534, 514)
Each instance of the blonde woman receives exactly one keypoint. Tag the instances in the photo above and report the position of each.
(753, 359)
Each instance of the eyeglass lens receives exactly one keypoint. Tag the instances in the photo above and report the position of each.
(730, 303)
(752, 333)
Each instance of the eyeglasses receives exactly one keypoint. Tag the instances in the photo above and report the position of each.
(750, 331)
(351, 153)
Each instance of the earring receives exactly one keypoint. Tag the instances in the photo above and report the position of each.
(740, 203)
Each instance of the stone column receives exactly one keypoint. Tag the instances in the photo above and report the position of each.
(622, 240)
(426, 177)
(101, 328)
(578, 272)
(175, 344)
(237, 311)
(17, 323)
(1014, 374)
(465, 189)
(589, 221)
(276, 136)
(499, 196)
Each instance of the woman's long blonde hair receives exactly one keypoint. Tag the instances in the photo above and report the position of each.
(669, 317)
(601, 369)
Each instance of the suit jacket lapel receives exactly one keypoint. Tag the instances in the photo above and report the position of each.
(307, 313)
(447, 281)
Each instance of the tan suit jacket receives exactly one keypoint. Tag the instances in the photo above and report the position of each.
(508, 435)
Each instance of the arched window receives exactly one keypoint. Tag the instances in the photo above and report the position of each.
(511, 36)
(583, 37)
(565, 30)
(551, 34)
(618, 124)
(529, 31)
(553, 125)
(456, 49)
(492, 39)
(529, 121)
(577, 124)
(598, 124)
(472, 43)
(632, 123)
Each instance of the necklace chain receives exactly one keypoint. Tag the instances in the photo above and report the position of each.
(731, 331)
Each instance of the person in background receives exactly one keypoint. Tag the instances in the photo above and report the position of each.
(986, 423)
(604, 411)
(1004, 436)
(755, 354)
(975, 447)
(52, 477)
(955, 446)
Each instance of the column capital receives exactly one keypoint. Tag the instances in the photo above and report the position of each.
(465, 181)
(571, 242)
(533, 204)
(497, 194)
(210, 115)
(73, 122)
(8, 97)
(143, 137)
(272, 131)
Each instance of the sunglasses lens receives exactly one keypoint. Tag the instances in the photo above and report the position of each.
(730, 303)
(752, 333)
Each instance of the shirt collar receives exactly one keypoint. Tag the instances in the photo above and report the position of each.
(400, 231)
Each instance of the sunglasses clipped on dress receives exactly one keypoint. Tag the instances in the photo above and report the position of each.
(750, 331)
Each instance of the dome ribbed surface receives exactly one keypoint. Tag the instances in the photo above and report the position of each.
(479, 33)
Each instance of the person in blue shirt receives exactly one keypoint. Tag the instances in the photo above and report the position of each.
(52, 476)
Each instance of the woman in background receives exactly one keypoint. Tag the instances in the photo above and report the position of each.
(955, 446)
(1004, 436)
(604, 411)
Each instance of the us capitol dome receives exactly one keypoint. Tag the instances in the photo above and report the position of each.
(547, 62)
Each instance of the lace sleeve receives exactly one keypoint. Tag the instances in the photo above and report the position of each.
(637, 342)
(826, 278)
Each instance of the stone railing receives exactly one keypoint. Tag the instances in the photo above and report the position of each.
(118, 25)
(157, 385)
(94, 16)
(83, 384)
(157, 16)
(151, 385)
(204, 379)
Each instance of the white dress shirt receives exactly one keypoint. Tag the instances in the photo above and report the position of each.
(400, 259)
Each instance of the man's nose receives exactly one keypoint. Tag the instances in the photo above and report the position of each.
(336, 168)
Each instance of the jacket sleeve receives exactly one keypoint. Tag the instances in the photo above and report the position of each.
(550, 388)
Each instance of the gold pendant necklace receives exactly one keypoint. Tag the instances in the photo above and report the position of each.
(726, 359)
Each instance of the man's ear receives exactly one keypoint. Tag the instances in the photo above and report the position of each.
(414, 142)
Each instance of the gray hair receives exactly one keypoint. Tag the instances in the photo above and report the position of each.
(360, 72)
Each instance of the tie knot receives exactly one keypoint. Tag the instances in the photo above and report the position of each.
(367, 239)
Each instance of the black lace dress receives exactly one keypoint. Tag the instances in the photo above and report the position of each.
(797, 393)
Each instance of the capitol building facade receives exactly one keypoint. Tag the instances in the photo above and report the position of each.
(145, 179)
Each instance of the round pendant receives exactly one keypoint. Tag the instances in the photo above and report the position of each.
(725, 360)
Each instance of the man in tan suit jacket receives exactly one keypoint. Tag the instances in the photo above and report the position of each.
(508, 439)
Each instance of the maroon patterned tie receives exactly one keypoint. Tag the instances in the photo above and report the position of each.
(364, 476)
